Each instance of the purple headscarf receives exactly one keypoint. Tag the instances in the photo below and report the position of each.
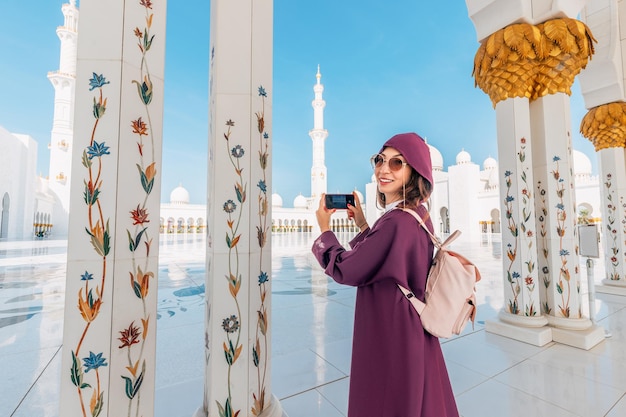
(415, 151)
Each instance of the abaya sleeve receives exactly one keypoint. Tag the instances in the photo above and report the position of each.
(381, 253)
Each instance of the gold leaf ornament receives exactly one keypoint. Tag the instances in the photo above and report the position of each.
(524, 60)
(605, 126)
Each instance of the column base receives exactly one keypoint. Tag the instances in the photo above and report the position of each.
(274, 410)
(576, 335)
(538, 336)
(610, 286)
(569, 324)
(523, 321)
(582, 339)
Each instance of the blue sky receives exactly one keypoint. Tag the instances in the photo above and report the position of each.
(385, 70)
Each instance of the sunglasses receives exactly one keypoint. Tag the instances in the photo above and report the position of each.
(395, 163)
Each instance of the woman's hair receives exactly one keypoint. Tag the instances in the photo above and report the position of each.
(417, 190)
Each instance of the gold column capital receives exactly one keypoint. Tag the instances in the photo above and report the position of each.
(524, 60)
(605, 126)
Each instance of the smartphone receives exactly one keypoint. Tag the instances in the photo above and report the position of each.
(339, 201)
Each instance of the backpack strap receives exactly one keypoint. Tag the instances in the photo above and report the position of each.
(417, 304)
(434, 238)
(408, 294)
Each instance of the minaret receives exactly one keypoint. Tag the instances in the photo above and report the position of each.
(318, 135)
(61, 137)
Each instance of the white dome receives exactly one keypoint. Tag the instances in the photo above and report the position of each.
(490, 163)
(436, 159)
(277, 200)
(300, 202)
(463, 158)
(179, 195)
(582, 164)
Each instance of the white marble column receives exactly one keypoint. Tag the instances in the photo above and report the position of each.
(528, 69)
(517, 193)
(613, 196)
(557, 236)
(108, 358)
(602, 85)
(239, 276)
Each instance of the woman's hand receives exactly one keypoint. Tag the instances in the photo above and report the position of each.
(356, 213)
(323, 215)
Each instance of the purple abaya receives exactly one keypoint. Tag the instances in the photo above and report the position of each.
(397, 368)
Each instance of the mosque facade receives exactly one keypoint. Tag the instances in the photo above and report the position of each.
(26, 203)
(466, 195)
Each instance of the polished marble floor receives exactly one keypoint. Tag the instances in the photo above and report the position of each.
(312, 326)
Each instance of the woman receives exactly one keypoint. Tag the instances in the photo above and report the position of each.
(397, 368)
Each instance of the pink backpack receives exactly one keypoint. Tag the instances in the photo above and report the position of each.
(450, 289)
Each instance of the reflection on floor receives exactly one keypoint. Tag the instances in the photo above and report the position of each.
(312, 332)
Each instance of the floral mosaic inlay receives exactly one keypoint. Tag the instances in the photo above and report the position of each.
(527, 233)
(233, 208)
(611, 231)
(511, 250)
(563, 285)
(260, 348)
(133, 338)
(91, 393)
(85, 376)
(545, 251)
(518, 230)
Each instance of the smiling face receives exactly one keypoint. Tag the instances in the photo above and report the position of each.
(390, 181)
